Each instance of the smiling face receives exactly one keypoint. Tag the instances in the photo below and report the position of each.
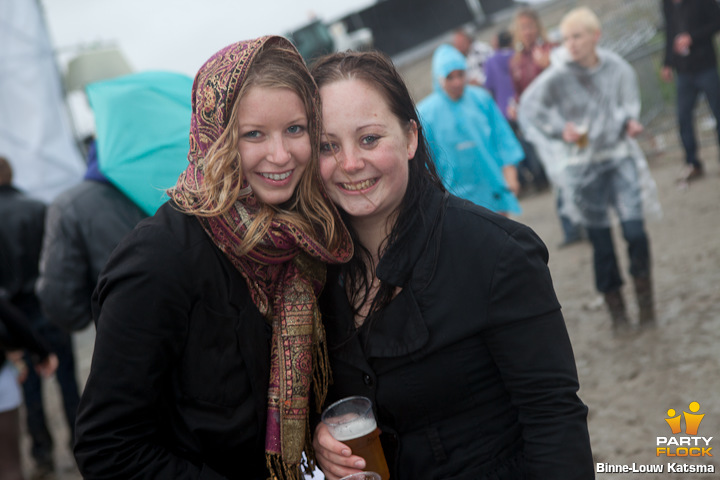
(274, 142)
(365, 150)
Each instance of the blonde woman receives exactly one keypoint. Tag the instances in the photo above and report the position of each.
(209, 345)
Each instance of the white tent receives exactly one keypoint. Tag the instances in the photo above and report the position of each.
(35, 130)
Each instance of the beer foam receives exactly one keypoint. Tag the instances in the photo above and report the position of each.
(355, 429)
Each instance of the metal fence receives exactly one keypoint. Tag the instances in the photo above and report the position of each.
(634, 29)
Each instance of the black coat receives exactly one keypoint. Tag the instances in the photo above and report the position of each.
(22, 226)
(699, 18)
(83, 226)
(179, 377)
(470, 367)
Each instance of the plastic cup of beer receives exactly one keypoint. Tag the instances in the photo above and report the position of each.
(352, 422)
(363, 476)
(582, 141)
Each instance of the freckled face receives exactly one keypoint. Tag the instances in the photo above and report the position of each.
(365, 151)
(274, 142)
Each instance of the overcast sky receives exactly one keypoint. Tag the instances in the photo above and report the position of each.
(178, 35)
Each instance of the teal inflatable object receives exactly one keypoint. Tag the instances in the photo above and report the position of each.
(142, 124)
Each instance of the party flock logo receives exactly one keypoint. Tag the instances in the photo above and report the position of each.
(688, 445)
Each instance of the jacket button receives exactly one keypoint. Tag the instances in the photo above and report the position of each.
(368, 380)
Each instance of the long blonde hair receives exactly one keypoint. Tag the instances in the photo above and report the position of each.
(276, 65)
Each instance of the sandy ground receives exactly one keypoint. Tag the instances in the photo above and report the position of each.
(629, 382)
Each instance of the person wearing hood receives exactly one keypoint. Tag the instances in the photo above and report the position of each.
(210, 353)
(475, 150)
(582, 113)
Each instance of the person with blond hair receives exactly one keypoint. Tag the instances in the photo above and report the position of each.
(583, 113)
(210, 353)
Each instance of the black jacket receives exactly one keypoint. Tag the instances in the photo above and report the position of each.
(83, 226)
(22, 221)
(699, 18)
(17, 333)
(470, 367)
(179, 377)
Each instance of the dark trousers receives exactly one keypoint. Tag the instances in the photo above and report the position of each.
(530, 168)
(689, 87)
(61, 345)
(607, 272)
(572, 232)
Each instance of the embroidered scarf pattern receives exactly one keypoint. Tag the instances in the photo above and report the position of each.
(284, 272)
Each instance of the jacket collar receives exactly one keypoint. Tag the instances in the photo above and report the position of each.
(396, 265)
(401, 329)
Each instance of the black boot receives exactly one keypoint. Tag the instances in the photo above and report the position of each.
(618, 314)
(646, 304)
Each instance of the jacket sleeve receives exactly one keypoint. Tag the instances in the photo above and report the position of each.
(530, 345)
(20, 334)
(507, 146)
(142, 304)
(711, 15)
(65, 286)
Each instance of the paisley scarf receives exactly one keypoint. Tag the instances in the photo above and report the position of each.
(284, 272)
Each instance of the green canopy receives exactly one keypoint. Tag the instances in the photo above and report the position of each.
(142, 124)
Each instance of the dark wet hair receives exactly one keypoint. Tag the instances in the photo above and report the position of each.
(504, 39)
(377, 70)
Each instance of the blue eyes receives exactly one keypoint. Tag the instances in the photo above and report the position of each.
(327, 148)
(292, 130)
(369, 139)
(366, 141)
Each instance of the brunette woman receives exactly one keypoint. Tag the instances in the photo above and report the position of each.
(445, 316)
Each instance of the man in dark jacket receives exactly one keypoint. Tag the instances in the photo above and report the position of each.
(690, 26)
(22, 226)
(84, 225)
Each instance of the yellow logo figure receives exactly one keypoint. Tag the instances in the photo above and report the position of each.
(692, 420)
(674, 422)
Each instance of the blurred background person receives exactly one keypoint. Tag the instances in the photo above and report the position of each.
(16, 334)
(499, 83)
(83, 226)
(583, 114)
(476, 53)
(532, 56)
(23, 227)
(475, 149)
(690, 28)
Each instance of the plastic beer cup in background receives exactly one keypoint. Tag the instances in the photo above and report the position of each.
(352, 422)
(363, 476)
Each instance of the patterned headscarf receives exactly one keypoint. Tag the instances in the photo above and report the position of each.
(284, 272)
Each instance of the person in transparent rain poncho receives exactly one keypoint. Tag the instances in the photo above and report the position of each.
(582, 114)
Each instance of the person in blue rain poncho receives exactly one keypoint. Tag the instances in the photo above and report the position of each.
(474, 148)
